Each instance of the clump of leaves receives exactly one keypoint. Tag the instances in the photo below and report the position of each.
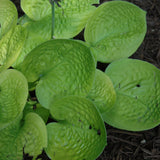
(62, 73)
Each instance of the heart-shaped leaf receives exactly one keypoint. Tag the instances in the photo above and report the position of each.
(80, 131)
(115, 30)
(63, 67)
(137, 85)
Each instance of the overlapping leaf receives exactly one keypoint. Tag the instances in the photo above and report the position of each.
(80, 131)
(102, 93)
(137, 85)
(115, 30)
(17, 135)
(63, 67)
(70, 19)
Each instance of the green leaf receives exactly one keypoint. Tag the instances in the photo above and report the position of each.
(80, 131)
(63, 67)
(32, 137)
(13, 95)
(70, 19)
(8, 16)
(37, 108)
(28, 136)
(36, 9)
(11, 45)
(115, 30)
(102, 93)
(137, 84)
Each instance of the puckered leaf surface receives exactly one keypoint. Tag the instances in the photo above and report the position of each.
(11, 45)
(8, 16)
(80, 131)
(13, 95)
(63, 67)
(137, 85)
(102, 93)
(115, 30)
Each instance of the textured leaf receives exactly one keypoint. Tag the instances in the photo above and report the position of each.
(36, 9)
(137, 85)
(64, 67)
(32, 137)
(115, 30)
(102, 93)
(13, 95)
(8, 16)
(10, 46)
(70, 19)
(80, 132)
(28, 136)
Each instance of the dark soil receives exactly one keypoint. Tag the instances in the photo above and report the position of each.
(124, 145)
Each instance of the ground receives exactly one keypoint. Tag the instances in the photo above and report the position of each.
(124, 145)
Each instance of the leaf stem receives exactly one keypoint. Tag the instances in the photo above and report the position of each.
(53, 19)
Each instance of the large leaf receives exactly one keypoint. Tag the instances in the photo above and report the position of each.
(115, 30)
(80, 132)
(70, 19)
(137, 85)
(63, 67)
(13, 95)
(102, 93)
(8, 16)
(11, 45)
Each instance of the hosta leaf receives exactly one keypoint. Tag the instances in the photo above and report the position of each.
(137, 85)
(115, 30)
(80, 132)
(102, 93)
(70, 19)
(28, 136)
(64, 67)
(36, 9)
(10, 46)
(37, 108)
(32, 137)
(13, 95)
(8, 16)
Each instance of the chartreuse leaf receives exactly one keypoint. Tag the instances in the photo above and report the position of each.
(8, 16)
(63, 67)
(80, 131)
(36, 9)
(13, 95)
(137, 85)
(102, 93)
(115, 30)
(70, 19)
(37, 108)
(18, 135)
(11, 45)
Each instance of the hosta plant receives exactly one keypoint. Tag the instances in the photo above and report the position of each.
(53, 99)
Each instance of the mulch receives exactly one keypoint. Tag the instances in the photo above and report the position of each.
(125, 145)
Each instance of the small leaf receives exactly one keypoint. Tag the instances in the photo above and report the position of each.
(102, 93)
(137, 84)
(13, 95)
(63, 67)
(80, 131)
(115, 30)
(10, 46)
(8, 16)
